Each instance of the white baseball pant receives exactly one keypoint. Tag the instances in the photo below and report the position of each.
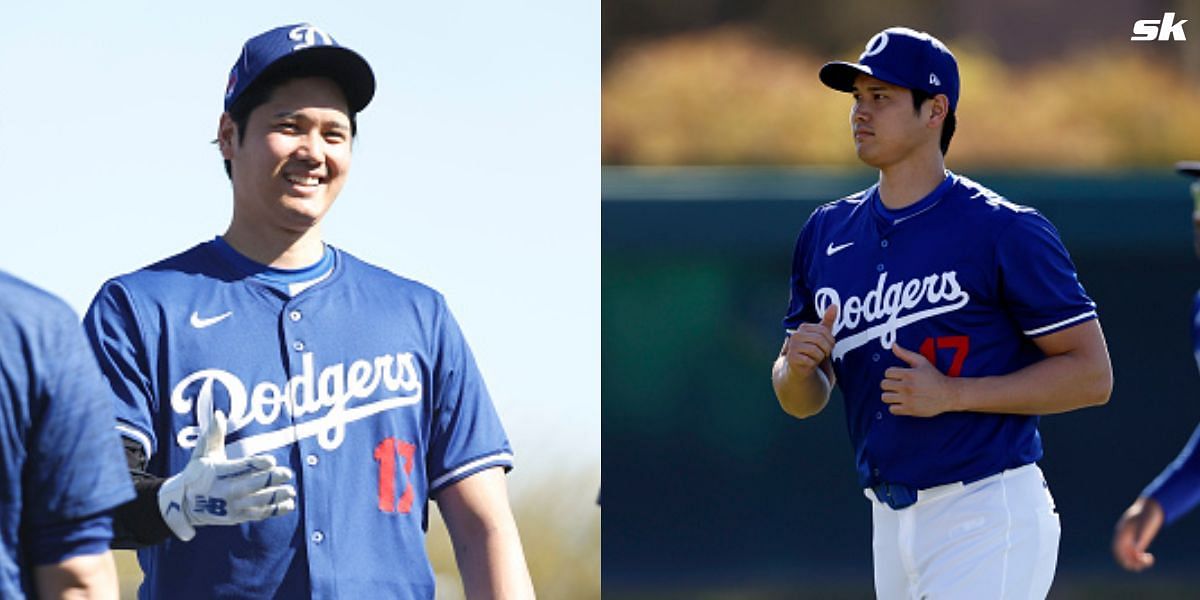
(992, 538)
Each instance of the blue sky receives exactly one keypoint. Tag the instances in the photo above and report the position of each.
(476, 170)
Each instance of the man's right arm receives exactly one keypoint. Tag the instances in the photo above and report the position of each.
(139, 523)
(803, 375)
(248, 488)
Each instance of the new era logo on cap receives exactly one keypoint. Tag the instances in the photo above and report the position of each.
(302, 50)
(903, 57)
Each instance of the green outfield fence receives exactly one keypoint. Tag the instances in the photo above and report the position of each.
(710, 490)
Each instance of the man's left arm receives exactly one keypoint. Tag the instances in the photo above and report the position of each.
(487, 546)
(1075, 373)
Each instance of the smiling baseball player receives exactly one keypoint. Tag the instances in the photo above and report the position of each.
(951, 318)
(265, 345)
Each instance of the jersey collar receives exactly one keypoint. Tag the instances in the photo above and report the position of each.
(290, 281)
(892, 218)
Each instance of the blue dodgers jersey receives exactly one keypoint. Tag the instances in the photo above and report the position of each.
(62, 461)
(362, 384)
(964, 277)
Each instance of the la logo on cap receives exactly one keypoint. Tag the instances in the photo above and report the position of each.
(307, 36)
(933, 80)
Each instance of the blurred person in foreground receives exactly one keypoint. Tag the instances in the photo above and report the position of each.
(1176, 490)
(952, 319)
(63, 472)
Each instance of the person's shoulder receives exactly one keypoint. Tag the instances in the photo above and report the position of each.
(843, 207)
(172, 272)
(847, 203)
(982, 198)
(23, 301)
(367, 275)
(987, 211)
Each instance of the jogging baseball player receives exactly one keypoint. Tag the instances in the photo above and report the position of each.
(63, 469)
(951, 319)
(268, 346)
(1176, 491)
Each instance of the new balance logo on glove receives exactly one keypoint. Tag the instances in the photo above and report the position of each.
(208, 504)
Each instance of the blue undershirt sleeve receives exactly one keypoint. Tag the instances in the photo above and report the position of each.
(1177, 488)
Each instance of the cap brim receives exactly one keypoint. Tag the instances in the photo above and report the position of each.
(1188, 167)
(343, 65)
(840, 75)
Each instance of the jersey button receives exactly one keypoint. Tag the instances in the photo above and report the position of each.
(878, 417)
(883, 244)
(874, 472)
(879, 267)
(298, 346)
(312, 460)
(295, 315)
(318, 537)
(875, 357)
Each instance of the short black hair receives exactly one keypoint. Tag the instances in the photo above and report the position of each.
(259, 94)
(948, 125)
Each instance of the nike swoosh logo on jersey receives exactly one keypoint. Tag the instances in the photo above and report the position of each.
(831, 250)
(200, 323)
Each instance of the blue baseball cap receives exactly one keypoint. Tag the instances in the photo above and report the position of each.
(304, 50)
(900, 56)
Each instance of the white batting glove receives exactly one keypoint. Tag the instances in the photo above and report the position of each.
(213, 490)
